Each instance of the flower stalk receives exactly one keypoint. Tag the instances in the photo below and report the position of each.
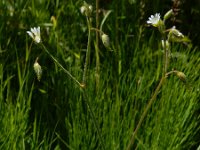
(97, 72)
(87, 52)
(145, 113)
(174, 35)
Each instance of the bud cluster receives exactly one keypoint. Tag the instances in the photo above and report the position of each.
(86, 9)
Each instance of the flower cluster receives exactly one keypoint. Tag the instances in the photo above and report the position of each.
(86, 9)
(174, 35)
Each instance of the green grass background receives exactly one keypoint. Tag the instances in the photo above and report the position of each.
(54, 114)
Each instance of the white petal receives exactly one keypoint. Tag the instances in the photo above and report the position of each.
(32, 30)
(38, 31)
(30, 34)
(35, 30)
(148, 22)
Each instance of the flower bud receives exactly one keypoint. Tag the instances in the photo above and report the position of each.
(86, 9)
(168, 15)
(37, 69)
(181, 76)
(53, 19)
(165, 44)
(90, 8)
(83, 10)
(175, 35)
(106, 40)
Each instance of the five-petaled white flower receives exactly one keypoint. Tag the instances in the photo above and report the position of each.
(154, 19)
(35, 34)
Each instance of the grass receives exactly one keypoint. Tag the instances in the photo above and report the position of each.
(56, 113)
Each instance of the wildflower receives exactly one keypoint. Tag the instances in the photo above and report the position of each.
(154, 20)
(37, 69)
(35, 34)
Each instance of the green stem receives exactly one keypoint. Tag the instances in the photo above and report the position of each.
(97, 30)
(145, 112)
(85, 98)
(166, 57)
(97, 73)
(66, 71)
(87, 52)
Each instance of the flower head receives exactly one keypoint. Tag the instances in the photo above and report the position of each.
(154, 19)
(35, 34)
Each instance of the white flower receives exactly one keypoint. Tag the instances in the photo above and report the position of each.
(35, 34)
(154, 19)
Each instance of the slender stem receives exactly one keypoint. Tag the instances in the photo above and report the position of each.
(84, 93)
(66, 71)
(85, 98)
(97, 30)
(145, 112)
(166, 57)
(97, 73)
(87, 52)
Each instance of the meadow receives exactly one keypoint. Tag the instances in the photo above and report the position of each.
(99, 76)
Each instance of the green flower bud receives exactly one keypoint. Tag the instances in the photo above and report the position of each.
(106, 40)
(37, 69)
(86, 9)
(181, 76)
(168, 15)
(175, 35)
(165, 44)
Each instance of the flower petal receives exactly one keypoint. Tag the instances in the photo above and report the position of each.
(30, 34)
